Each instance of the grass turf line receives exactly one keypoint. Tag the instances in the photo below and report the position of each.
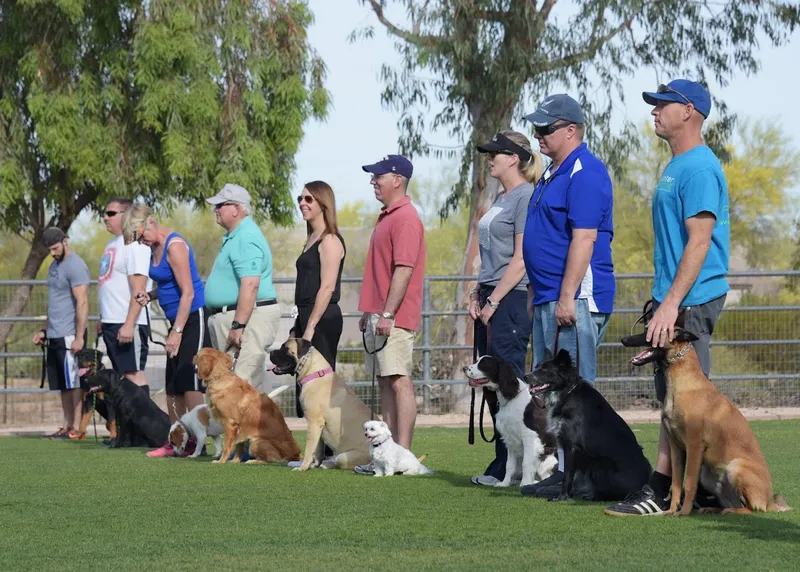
(68, 504)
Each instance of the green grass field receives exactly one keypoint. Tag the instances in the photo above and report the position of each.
(78, 506)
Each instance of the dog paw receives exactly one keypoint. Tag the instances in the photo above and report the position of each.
(302, 468)
(560, 498)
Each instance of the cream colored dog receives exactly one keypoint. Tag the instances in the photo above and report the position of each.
(334, 413)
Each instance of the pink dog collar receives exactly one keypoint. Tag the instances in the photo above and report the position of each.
(316, 375)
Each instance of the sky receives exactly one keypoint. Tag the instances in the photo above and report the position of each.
(359, 131)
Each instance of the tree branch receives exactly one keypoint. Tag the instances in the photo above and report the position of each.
(417, 39)
(590, 51)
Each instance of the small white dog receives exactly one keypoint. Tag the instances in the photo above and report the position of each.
(388, 457)
(197, 423)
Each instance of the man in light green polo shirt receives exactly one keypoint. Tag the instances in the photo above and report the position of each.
(242, 302)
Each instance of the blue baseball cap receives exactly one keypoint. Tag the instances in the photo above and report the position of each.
(555, 107)
(396, 164)
(681, 91)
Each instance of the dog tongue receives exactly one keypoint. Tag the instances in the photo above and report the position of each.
(82, 371)
(271, 367)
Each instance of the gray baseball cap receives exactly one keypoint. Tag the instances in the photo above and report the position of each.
(555, 107)
(53, 235)
(231, 193)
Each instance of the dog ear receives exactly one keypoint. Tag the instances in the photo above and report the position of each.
(303, 347)
(383, 424)
(563, 357)
(548, 355)
(682, 335)
(680, 321)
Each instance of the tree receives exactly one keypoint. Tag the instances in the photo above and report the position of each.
(482, 63)
(162, 100)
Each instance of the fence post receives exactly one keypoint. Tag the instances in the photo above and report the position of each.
(426, 343)
(5, 383)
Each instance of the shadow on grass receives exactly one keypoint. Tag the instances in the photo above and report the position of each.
(756, 526)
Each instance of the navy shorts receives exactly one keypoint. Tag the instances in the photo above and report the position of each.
(62, 367)
(181, 375)
(130, 357)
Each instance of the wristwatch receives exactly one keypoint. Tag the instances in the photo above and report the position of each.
(177, 330)
(238, 325)
(492, 304)
(387, 315)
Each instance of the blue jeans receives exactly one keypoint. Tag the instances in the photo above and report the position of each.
(590, 328)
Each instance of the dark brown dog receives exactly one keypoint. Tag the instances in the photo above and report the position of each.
(709, 437)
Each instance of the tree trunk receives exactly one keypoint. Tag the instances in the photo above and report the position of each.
(22, 294)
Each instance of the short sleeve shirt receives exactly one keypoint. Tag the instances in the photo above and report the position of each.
(498, 229)
(692, 183)
(398, 240)
(244, 253)
(62, 277)
(120, 261)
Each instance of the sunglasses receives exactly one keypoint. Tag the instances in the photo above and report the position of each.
(307, 198)
(110, 214)
(546, 130)
(667, 89)
(220, 205)
(493, 154)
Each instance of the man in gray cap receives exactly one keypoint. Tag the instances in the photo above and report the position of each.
(567, 249)
(67, 318)
(244, 315)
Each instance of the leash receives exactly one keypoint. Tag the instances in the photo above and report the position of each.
(471, 434)
(150, 329)
(374, 361)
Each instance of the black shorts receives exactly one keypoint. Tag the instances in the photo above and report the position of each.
(62, 367)
(181, 375)
(126, 358)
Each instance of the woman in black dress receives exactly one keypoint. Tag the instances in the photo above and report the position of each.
(319, 273)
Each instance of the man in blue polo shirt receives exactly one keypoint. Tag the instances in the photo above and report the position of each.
(567, 248)
(244, 315)
(690, 258)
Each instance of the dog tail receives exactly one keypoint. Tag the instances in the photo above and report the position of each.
(778, 505)
(276, 392)
(422, 458)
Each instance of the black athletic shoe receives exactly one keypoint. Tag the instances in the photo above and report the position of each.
(553, 480)
(109, 442)
(641, 503)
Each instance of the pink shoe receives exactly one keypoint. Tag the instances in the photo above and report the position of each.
(164, 450)
(190, 447)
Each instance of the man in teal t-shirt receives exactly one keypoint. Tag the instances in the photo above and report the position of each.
(692, 242)
(243, 308)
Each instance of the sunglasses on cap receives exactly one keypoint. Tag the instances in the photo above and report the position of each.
(667, 89)
(307, 198)
(545, 130)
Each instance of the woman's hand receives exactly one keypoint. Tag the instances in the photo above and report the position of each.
(173, 343)
(308, 334)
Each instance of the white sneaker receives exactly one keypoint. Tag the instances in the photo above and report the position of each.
(294, 464)
(368, 469)
(485, 480)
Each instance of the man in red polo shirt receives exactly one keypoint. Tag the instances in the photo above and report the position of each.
(391, 295)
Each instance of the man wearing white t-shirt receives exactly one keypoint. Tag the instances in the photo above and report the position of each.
(124, 271)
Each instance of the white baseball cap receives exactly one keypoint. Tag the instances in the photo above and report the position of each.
(231, 193)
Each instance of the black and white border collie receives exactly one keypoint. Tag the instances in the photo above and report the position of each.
(530, 449)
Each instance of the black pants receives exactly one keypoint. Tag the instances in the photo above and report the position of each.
(510, 329)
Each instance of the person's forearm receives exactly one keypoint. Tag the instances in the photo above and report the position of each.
(246, 301)
(320, 304)
(578, 258)
(81, 318)
(184, 309)
(692, 259)
(397, 289)
(511, 277)
(138, 283)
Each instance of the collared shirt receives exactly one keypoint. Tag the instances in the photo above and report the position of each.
(244, 253)
(577, 196)
(692, 183)
(398, 240)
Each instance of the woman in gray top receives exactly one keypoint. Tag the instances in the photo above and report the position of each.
(499, 305)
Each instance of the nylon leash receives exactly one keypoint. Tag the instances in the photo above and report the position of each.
(373, 353)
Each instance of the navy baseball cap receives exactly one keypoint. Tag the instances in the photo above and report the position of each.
(396, 164)
(555, 107)
(681, 91)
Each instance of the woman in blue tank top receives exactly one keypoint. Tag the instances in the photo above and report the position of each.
(179, 291)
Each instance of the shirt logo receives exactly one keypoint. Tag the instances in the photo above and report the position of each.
(107, 265)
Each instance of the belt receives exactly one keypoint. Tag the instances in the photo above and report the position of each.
(260, 303)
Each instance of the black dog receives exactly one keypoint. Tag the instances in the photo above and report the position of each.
(140, 422)
(90, 361)
(602, 459)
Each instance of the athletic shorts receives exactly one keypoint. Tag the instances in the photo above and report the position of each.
(130, 357)
(181, 375)
(62, 367)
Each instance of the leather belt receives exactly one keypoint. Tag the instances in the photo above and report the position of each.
(260, 303)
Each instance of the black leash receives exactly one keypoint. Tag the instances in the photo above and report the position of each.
(150, 329)
(44, 361)
(471, 434)
(374, 360)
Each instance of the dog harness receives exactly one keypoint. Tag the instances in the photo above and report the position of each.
(316, 375)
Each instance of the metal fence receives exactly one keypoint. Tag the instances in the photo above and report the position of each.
(755, 352)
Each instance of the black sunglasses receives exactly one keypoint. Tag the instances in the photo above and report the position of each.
(307, 198)
(667, 89)
(546, 130)
(109, 214)
(220, 205)
(493, 154)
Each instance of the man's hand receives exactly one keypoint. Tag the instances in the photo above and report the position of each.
(143, 298)
(125, 334)
(662, 326)
(99, 327)
(235, 338)
(486, 313)
(384, 327)
(363, 321)
(76, 345)
(565, 312)
(39, 338)
(474, 309)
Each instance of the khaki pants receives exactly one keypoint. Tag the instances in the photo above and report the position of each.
(260, 333)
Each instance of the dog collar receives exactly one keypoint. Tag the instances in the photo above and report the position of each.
(378, 445)
(682, 352)
(185, 427)
(301, 362)
(316, 375)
